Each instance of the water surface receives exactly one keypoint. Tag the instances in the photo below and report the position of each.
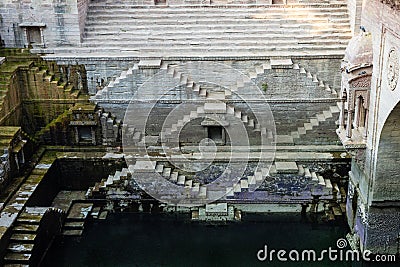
(134, 239)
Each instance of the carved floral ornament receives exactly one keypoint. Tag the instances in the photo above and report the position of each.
(392, 68)
(395, 4)
(363, 82)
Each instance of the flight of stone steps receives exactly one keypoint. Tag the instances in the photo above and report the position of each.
(184, 79)
(38, 76)
(288, 63)
(214, 104)
(320, 186)
(116, 181)
(120, 88)
(57, 89)
(330, 113)
(75, 220)
(25, 247)
(113, 186)
(20, 250)
(316, 80)
(209, 109)
(320, 28)
(176, 177)
(316, 120)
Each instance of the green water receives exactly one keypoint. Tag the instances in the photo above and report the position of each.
(130, 239)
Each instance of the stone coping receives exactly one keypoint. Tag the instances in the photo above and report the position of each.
(32, 24)
(72, 58)
(271, 101)
(276, 6)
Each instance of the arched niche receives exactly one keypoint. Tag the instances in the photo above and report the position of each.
(386, 186)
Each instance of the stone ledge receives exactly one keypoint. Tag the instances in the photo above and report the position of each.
(270, 101)
(68, 59)
(220, 6)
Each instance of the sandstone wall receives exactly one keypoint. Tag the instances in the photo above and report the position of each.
(63, 20)
(293, 96)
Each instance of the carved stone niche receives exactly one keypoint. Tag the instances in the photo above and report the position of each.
(33, 34)
(355, 91)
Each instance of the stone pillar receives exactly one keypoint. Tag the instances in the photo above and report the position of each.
(16, 161)
(26, 37)
(76, 135)
(349, 123)
(356, 119)
(93, 132)
(341, 115)
(22, 156)
(366, 125)
(42, 37)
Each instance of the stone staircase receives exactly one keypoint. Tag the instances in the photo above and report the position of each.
(28, 239)
(57, 89)
(215, 103)
(120, 88)
(289, 64)
(316, 28)
(76, 217)
(38, 75)
(20, 250)
(100, 189)
(330, 113)
(316, 120)
(319, 186)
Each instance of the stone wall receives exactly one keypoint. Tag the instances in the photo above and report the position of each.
(62, 21)
(294, 97)
(387, 176)
(355, 9)
(35, 92)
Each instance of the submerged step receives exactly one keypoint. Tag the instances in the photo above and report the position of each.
(18, 257)
(24, 238)
(72, 232)
(20, 247)
(26, 228)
